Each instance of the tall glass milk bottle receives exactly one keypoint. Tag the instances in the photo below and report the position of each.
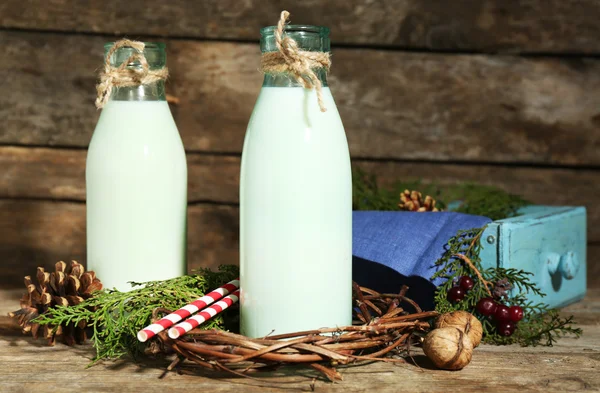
(136, 179)
(295, 204)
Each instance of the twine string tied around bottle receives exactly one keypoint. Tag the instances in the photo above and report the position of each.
(124, 76)
(299, 63)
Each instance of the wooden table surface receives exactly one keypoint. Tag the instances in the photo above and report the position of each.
(572, 365)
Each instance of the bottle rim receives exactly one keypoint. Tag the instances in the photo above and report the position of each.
(147, 46)
(321, 30)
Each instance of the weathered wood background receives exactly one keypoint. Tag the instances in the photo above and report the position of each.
(503, 92)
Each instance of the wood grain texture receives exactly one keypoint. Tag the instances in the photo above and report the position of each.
(38, 233)
(397, 105)
(571, 365)
(59, 174)
(547, 26)
(41, 173)
(543, 186)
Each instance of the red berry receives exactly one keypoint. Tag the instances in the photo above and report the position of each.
(456, 294)
(506, 328)
(502, 313)
(516, 313)
(486, 306)
(466, 283)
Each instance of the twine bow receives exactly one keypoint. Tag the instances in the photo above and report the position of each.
(122, 76)
(301, 64)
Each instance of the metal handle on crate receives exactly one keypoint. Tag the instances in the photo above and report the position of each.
(567, 264)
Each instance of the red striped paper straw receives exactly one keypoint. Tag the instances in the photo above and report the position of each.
(185, 311)
(203, 316)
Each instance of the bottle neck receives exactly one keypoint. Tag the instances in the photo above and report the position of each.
(153, 92)
(307, 38)
(284, 79)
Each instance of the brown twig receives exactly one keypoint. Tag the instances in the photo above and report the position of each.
(384, 331)
(360, 301)
(403, 290)
(394, 296)
(475, 240)
(373, 307)
(331, 373)
(469, 263)
(393, 311)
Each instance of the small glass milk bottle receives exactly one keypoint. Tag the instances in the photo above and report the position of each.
(136, 176)
(295, 203)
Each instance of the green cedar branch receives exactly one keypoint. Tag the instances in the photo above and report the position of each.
(468, 198)
(541, 325)
(115, 317)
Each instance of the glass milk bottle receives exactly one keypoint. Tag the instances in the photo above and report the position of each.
(136, 179)
(295, 204)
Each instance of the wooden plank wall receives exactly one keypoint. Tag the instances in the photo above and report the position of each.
(502, 92)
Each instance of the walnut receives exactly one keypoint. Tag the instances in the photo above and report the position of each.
(464, 321)
(448, 348)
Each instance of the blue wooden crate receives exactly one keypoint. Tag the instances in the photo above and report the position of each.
(549, 242)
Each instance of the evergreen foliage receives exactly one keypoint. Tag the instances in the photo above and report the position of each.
(541, 325)
(115, 317)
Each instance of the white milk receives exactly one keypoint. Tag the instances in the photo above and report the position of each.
(136, 179)
(295, 215)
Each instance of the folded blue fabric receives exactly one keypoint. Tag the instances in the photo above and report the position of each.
(390, 246)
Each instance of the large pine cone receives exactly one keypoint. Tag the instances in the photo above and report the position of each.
(413, 201)
(63, 287)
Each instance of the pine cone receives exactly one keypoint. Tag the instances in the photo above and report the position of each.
(501, 289)
(413, 201)
(64, 287)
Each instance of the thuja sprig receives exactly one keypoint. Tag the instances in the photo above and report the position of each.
(540, 325)
(469, 198)
(115, 317)
(450, 267)
(367, 195)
